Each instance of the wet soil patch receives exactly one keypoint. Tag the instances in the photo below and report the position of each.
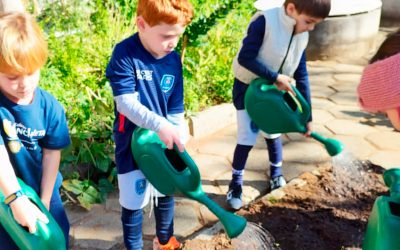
(324, 210)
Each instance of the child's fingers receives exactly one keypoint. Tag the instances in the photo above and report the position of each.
(42, 217)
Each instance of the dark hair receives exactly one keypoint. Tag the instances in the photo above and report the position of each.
(313, 8)
(389, 47)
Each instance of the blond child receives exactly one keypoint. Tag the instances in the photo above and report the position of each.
(34, 127)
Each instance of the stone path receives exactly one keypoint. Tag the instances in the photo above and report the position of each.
(336, 114)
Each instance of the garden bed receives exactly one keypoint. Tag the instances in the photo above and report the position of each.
(324, 210)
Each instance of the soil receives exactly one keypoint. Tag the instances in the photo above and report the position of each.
(329, 211)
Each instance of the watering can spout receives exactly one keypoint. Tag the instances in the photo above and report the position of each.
(332, 146)
(233, 224)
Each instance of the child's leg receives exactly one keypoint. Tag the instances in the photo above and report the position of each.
(274, 144)
(132, 228)
(58, 212)
(164, 213)
(275, 156)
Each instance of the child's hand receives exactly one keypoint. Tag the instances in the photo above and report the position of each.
(170, 135)
(309, 129)
(283, 82)
(26, 213)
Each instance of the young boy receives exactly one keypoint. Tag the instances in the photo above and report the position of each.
(33, 127)
(146, 78)
(274, 48)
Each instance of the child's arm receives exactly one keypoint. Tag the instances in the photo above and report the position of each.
(303, 85)
(250, 48)
(50, 163)
(24, 212)
(129, 106)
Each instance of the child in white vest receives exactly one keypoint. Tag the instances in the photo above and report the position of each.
(273, 48)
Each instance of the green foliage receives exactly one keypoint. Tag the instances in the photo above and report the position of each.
(81, 37)
(207, 63)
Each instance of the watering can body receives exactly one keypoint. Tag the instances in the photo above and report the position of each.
(174, 172)
(383, 227)
(47, 236)
(276, 111)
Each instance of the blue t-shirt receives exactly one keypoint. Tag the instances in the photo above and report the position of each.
(159, 83)
(27, 129)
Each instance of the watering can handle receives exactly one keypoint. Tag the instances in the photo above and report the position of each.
(188, 161)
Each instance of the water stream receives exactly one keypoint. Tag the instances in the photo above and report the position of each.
(348, 173)
(254, 237)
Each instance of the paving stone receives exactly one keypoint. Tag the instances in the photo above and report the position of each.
(345, 77)
(387, 159)
(344, 98)
(211, 120)
(345, 87)
(348, 112)
(348, 127)
(385, 140)
(211, 166)
(348, 68)
(292, 170)
(219, 145)
(186, 219)
(307, 151)
(321, 116)
(321, 80)
(356, 145)
(321, 103)
(322, 129)
(76, 213)
(258, 160)
(207, 217)
(254, 184)
(102, 231)
(321, 91)
(112, 202)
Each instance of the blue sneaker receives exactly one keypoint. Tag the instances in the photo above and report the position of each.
(234, 197)
(277, 182)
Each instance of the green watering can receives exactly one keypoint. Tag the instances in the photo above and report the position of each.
(383, 229)
(276, 111)
(47, 236)
(173, 172)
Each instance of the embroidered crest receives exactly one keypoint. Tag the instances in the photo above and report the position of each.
(9, 129)
(14, 146)
(140, 186)
(253, 127)
(167, 82)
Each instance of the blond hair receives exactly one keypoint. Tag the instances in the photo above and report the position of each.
(165, 11)
(23, 49)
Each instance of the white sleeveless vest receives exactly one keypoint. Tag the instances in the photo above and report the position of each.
(278, 30)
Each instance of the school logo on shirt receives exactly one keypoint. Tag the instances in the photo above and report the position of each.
(142, 74)
(140, 186)
(9, 129)
(167, 82)
(14, 146)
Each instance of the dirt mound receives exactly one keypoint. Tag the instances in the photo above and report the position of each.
(329, 210)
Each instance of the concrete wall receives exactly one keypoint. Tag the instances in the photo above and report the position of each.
(391, 9)
(351, 35)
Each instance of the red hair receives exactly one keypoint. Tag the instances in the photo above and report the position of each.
(165, 11)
